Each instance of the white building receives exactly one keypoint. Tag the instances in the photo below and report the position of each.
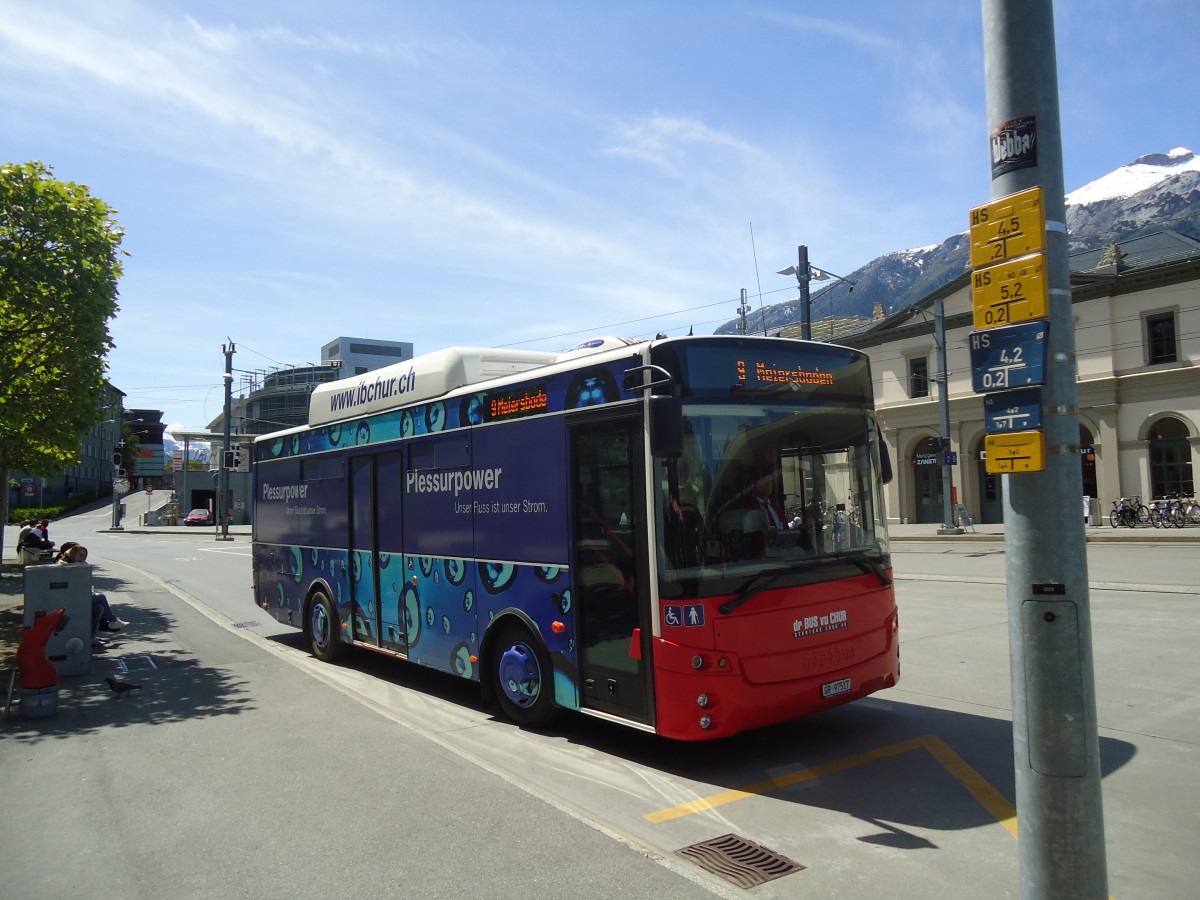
(1136, 308)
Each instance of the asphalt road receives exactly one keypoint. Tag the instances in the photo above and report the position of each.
(243, 767)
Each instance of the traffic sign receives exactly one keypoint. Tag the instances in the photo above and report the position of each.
(1018, 451)
(1019, 410)
(1013, 356)
(1011, 292)
(1009, 227)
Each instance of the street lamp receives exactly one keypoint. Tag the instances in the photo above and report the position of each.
(117, 459)
(804, 274)
(116, 475)
(943, 380)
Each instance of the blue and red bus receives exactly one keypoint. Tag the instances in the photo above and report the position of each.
(685, 535)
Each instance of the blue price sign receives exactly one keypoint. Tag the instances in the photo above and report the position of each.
(1019, 410)
(1010, 357)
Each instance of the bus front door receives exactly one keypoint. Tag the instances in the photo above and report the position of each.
(609, 564)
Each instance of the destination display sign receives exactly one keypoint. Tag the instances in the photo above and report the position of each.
(1009, 227)
(1019, 451)
(1013, 356)
(1012, 292)
(1019, 410)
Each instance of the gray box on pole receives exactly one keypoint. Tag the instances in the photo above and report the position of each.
(46, 589)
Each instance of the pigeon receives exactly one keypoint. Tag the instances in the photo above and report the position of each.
(121, 688)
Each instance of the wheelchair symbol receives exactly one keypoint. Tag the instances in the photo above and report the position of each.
(672, 615)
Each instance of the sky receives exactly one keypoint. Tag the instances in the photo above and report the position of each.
(528, 174)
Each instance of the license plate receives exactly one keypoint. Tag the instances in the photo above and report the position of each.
(835, 687)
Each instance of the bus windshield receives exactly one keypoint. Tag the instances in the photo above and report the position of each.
(763, 487)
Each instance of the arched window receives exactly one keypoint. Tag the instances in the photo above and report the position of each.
(1170, 458)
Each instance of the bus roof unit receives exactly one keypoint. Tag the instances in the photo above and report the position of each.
(421, 378)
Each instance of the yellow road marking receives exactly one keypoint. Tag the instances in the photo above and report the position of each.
(987, 796)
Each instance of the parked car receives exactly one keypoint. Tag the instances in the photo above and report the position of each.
(198, 517)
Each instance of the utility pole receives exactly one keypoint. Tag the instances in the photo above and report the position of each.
(742, 310)
(1055, 744)
(223, 471)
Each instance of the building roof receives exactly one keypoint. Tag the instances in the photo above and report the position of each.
(1156, 249)
(1133, 264)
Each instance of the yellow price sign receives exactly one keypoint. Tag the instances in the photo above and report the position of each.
(1009, 227)
(1016, 451)
(1012, 292)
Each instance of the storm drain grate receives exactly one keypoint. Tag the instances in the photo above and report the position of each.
(245, 624)
(739, 861)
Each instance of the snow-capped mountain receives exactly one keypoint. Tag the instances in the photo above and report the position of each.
(1157, 192)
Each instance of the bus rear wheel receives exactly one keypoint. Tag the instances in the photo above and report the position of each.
(523, 679)
(320, 628)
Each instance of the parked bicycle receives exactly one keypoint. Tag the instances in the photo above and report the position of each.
(1164, 512)
(1191, 510)
(1130, 512)
(1176, 510)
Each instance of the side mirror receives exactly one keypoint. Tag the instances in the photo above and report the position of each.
(666, 426)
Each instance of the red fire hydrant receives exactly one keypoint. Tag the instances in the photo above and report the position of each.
(37, 671)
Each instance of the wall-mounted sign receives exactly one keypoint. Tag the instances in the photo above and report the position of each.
(1009, 227)
(1021, 451)
(1019, 410)
(1011, 292)
(1010, 357)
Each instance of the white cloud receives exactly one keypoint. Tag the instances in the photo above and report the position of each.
(665, 141)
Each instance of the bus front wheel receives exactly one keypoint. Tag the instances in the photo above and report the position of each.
(321, 629)
(522, 677)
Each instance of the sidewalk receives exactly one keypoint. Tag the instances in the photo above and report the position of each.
(907, 532)
(233, 772)
(1093, 534)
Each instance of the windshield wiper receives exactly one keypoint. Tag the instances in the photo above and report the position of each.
(866, 564)
(759, 582)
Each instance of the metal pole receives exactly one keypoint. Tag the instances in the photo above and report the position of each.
(802, 276)
(943, 381)
(223, 476)
(1055, 743)
(185, 498)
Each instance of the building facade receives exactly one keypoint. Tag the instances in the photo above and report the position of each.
(1136, 309)
(150, 462)
(90, 476)
(359, 355)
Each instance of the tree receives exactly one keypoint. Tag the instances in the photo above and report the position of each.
(60, 260)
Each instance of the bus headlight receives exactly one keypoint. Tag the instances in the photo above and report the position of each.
(702, 701)
(706, 722)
